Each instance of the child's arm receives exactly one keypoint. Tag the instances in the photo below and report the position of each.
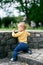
(16, 34)
(28, 33)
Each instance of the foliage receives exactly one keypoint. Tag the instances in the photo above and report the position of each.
(7, 21)
(0, 22)
(33, 9)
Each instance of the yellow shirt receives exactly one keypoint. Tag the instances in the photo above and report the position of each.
(22, 36)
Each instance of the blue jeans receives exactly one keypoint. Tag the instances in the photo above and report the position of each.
(21, 47)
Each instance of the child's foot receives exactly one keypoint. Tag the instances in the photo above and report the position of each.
(12, 60)
(30, 52)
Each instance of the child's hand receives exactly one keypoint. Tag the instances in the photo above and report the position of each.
(13, 30)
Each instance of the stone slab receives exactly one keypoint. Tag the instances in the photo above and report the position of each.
(36, 58)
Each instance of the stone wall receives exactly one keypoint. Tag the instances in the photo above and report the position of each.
(36, 39)
(8, 43)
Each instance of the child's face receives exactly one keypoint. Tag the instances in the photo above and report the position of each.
(20, 28)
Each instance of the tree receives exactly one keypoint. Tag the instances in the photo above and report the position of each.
(32, 8)
(41, 11)
(0, 22)
(34, 12)
(7, 20)
(5, 5)
(24, 6)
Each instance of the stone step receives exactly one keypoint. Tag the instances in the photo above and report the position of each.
(13, 63)
(6, 61)
(36, 58)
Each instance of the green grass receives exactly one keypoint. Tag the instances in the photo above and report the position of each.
(5, 29)
(27, 28)
(30, 28)
(10, 29)
(39, 28)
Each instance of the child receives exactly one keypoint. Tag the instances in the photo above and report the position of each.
(22, 38)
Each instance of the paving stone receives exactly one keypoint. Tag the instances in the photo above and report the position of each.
(6, 61)
(13, 63)
(40, 57)
(36, 58)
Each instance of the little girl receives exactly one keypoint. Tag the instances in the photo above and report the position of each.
(22, 35)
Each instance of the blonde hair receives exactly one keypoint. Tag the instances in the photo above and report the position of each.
(22, 24)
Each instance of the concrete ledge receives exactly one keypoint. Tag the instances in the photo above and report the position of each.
(26, 30)
(34, 59)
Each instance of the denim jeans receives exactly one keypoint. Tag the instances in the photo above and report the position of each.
(21, 47)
